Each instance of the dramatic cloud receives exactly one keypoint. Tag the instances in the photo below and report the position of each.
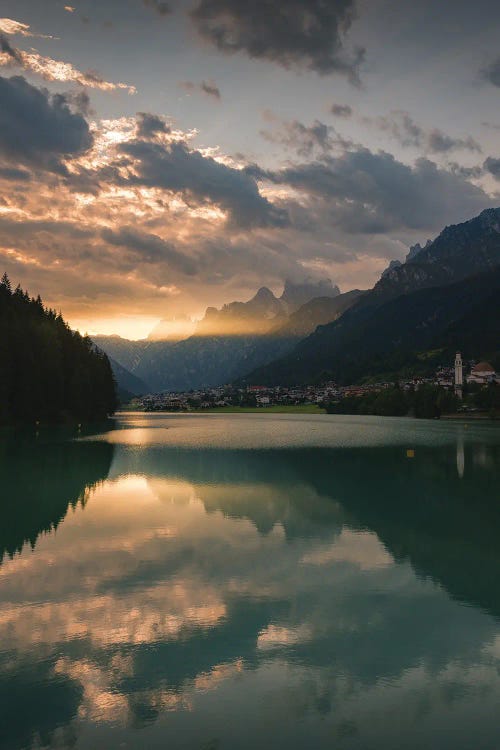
(39, 129)
(341, 110)
(366, 192)
(54, 70)
(492, 166)
(409, 133)
(149, 125)
(11, 27)
(150, 248)
(492, 73)
(159, 6)
(205, 87)
(176, 167)
(304, 34)
(303, 139)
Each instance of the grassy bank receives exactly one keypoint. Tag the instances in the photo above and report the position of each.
(292, 409)
(297, 409)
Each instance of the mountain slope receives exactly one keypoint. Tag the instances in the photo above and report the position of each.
(465, 315)
(317, 312)
(128, 384)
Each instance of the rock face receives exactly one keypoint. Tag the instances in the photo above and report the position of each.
(459, 251)
(391, 317)
(256, 316)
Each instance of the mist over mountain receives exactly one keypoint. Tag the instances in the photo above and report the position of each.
(228, 342)
(173, 329)
(297, 294)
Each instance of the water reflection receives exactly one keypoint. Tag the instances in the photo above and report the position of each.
(41, 479)
(229, 598)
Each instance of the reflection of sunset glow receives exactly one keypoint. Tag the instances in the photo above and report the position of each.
(275, 636)
(358, 548)
(210, 680)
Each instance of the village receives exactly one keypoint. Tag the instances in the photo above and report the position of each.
(264, 397)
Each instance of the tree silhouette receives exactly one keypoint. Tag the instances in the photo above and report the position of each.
(48, 373)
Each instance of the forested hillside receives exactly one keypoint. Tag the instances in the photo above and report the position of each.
(48, 373)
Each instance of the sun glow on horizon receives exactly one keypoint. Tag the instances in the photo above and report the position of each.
(133, 328)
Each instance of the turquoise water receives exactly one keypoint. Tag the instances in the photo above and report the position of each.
(251, 581)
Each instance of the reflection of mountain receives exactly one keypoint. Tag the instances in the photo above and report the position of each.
(40, 481)
(162, 586)
(421, 509)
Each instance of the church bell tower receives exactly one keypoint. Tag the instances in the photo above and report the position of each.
(459, 374)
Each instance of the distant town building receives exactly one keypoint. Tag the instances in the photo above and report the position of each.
(459, 374)
(482, 373)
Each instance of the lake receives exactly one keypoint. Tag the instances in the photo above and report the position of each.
(250, 581)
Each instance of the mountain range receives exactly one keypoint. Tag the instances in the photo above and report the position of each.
(445, 295)
(229, 342)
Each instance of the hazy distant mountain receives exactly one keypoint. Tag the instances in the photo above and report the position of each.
(409, 307)
(296, 295)
(256, 316)
(173, 329)
(127, 353)
(128, 384)
(228, 342)
(316, 312)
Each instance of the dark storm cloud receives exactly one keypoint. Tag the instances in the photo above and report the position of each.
(149, 125)
(491, 72)
(409, 133)
(492, 166)
(205, 87)
(9, 50)
(37, 128)
(159, 6)
(177, 168)
(303, 139)
(304, 34)
(14, 174)
(341, 110)
(150, 248)
(368, 192)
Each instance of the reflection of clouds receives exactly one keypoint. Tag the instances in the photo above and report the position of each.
(100, 703)
(152, 614)
(358, 548)
(275, 636)
(145, 565)
(221, 672)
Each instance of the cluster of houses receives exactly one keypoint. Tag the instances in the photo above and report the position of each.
(451, 378)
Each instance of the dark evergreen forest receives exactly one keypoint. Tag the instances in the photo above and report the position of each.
(48, 373)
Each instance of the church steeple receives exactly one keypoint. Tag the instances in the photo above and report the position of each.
(459, 374)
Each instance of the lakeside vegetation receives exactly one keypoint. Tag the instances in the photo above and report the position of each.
(48, 373)
(427, 402)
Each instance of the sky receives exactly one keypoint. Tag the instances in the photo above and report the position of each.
(160, 157)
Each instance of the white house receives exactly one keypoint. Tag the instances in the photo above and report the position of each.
(482, 373)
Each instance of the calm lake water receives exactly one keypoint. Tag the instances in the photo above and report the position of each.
(251, 581)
